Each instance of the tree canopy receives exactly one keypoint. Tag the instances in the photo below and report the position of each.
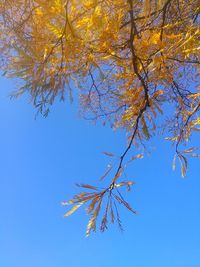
(134, 64)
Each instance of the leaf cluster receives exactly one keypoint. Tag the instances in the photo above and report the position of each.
(134, 64)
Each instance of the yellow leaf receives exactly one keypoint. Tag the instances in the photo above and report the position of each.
(73, 209)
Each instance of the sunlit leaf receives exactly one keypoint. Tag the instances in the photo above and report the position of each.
(73, 209)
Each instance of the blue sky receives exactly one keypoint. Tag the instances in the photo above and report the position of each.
(40, 162)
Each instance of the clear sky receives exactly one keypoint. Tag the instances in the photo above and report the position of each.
(40, 162)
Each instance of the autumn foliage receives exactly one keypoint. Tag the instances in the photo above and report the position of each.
(134, 64)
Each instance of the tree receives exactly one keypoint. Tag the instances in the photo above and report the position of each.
(134, 63)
